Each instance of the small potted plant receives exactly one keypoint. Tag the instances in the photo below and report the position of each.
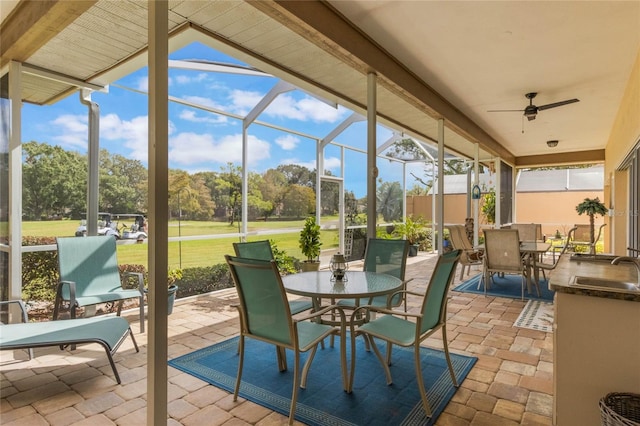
(310, 244)
(413, 231)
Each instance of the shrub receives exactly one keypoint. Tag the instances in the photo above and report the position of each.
(286, 264)
(204, 279)
(39, 271)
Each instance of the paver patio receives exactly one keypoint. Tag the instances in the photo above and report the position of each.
(510, 384)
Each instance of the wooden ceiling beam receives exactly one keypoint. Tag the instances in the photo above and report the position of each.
(33, 23)
(561, 159)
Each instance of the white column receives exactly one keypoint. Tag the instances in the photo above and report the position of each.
(476, 209)
(372, 167)
(245, 181)
(498, 221)
(319, 173)
(93, 167)
(158, 212)
(15, 182)
(440, 197)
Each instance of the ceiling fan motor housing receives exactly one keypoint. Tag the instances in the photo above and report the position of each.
(530, 112)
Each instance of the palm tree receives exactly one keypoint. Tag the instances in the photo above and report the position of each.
(591, 207)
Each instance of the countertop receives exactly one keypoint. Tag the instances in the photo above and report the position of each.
(562, 275)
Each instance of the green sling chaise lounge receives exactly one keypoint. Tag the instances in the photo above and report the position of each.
(89, 275)
(107, 331)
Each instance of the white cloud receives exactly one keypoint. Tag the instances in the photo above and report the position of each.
(243, 101)
(190, 115)
(191, 148)
(202, 101)
(332, 163)
(305, 109)
(288, 142)
(188, 79)
(143, 84)
(311, 165)
(133, 133)
(73, 131)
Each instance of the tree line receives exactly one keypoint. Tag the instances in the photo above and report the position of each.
(55, 182)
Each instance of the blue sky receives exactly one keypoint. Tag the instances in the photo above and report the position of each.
(204, 141)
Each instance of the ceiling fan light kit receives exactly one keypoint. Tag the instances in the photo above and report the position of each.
(552, 144)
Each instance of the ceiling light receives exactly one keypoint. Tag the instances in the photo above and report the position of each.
(552, 144)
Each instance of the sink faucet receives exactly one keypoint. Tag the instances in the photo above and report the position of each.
(634, 260)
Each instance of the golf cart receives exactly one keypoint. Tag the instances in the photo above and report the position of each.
(137, 230)
(105, 226)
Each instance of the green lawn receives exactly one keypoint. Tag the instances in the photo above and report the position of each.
(195, 252)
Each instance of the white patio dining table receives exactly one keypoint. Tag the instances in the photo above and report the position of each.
(359, 285)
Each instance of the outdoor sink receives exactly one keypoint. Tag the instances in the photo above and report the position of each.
(604, 284)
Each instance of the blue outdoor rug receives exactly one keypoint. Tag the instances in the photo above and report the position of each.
(324, 402)
(508, 286)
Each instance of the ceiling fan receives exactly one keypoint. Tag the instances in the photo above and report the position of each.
(531, 110)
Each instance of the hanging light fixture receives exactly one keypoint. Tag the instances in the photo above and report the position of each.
(338, 267)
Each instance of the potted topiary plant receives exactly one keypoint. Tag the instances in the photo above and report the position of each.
(592, 207)
(310, 244)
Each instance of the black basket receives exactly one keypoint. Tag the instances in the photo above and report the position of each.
(620, 409)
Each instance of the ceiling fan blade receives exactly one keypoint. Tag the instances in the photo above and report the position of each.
(557, 104)
(505, 110)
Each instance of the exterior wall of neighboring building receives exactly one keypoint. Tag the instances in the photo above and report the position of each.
(554, 210)
(548, 197)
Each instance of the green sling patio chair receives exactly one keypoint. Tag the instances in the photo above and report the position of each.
(384, 257)
(265, 315)
(89, 275)
(262, 250)
(107, 331)
(395, 328)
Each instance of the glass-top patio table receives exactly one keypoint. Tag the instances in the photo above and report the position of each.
(359, 285)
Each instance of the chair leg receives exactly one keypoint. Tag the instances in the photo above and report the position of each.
(240, 365)
(281, 355)
(307, 365)
(56, 308)
(447, 356)
(113, 364)
(352, 366)
(420, 379)
(296, 380)
(141, 314)
(387, 372)
(389, 350)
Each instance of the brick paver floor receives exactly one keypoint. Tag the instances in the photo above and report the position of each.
(510, 384)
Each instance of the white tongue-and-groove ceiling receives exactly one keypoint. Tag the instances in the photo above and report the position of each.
(455, 60)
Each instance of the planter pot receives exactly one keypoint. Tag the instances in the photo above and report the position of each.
(171, 290)
(413, 250)
(312, 266)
